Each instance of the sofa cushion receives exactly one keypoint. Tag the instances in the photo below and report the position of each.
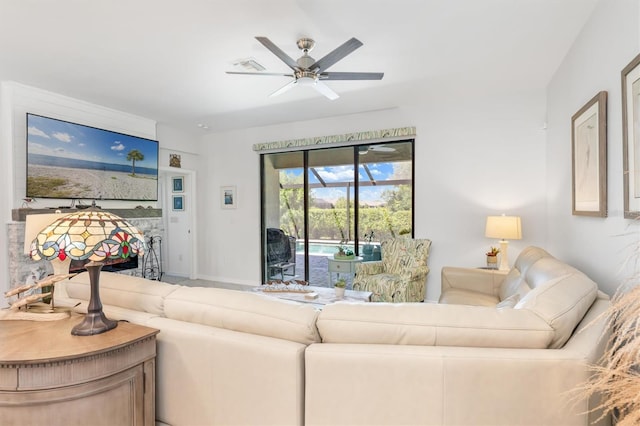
(211, 376)
(244, 311)
(457, 296)
(561, 296)
(430, 324)
(122, 290)
(528, 257)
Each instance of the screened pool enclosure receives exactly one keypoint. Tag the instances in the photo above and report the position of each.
(315, 200)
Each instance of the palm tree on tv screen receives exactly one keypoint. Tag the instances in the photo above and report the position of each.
(133, 156)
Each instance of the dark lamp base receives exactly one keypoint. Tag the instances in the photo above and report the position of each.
(95, 322)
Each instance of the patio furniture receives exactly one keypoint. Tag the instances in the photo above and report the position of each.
(281, 253)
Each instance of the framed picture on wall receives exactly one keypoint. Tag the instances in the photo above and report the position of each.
(228, 197)
(178, 202)
(174, 160)
(589, 158)
(178, 183)
(630, 138)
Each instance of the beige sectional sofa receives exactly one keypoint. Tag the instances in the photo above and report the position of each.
(491, 358)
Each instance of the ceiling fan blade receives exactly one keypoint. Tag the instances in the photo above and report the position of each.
(381, 148)
(351, 75)
(336, 54)
(278, 52)
(284, 88)
(260, 73)
(325, 90)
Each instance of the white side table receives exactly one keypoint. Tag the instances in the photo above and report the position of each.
(342, 266)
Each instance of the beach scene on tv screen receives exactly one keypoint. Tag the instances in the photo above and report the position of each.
(68, 160)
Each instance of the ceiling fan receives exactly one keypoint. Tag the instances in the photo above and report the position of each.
(308, 71)
(375, 148)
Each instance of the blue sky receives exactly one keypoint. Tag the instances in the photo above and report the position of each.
(379, 171)
(56, 138)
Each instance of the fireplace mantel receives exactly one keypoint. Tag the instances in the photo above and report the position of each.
(19, 215)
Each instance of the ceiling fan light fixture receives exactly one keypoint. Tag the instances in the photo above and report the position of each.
(306, 81)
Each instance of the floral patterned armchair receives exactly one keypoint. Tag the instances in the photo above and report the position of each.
(401, 274)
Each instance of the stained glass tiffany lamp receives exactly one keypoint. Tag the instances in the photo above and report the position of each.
(95, 235)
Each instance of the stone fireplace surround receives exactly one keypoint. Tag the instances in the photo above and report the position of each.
(149, 221)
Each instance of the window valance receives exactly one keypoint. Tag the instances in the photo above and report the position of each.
(336, 140)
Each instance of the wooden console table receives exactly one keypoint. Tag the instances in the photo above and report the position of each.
(48, 376)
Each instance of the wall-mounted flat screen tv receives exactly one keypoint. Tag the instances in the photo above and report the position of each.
(73, 161)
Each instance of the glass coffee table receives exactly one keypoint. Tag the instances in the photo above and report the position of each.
(311, 294)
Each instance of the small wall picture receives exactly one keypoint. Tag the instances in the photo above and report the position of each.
(178, 183)
(174, 160)
(228, 197)
(178, 202)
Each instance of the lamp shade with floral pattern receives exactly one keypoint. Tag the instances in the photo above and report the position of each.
(89, 234)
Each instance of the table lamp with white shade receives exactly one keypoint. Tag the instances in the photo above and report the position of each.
(89, 234)
(505, 228)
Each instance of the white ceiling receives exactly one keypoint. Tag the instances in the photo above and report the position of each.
(166, 59)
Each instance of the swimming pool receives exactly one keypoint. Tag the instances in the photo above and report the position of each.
(324, 248)
(318, 248)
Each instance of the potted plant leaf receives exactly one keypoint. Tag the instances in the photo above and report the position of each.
(344, 252)
(340, 287)
(492, 258)
(367, 249)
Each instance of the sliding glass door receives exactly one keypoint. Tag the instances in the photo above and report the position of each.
(283, 216)
(317, 200)
(385, 195)
(330, 195)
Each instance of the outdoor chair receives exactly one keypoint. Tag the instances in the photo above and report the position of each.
(281, 253)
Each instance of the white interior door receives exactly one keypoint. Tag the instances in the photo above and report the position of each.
(178, 208)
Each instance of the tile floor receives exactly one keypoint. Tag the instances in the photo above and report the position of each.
(318, 276)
